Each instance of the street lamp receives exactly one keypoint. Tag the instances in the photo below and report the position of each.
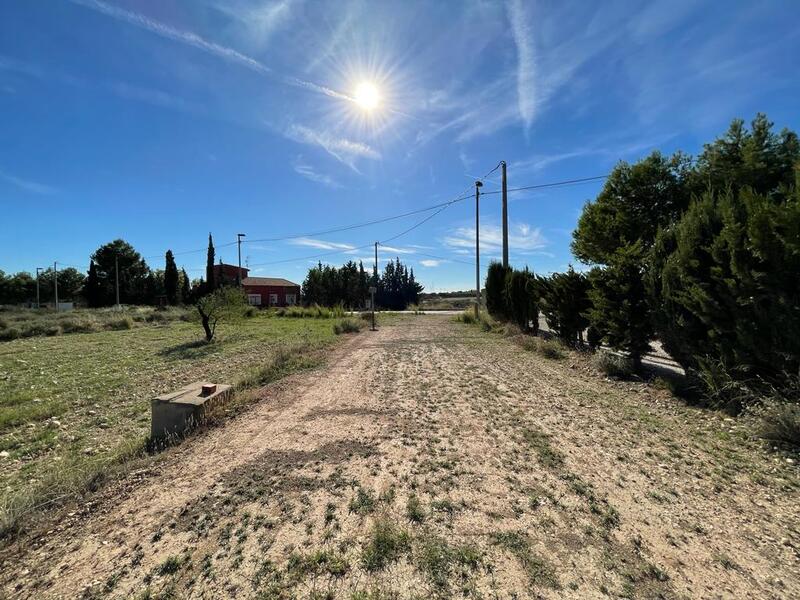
(478, 186)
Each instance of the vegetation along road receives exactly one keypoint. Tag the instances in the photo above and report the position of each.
(434, 459)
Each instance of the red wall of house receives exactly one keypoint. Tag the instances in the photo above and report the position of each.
(266, 290)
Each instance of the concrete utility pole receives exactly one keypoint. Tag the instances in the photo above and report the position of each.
(478, 186)
(38, 270)
(116, 278)
(374, 287)
(55, 282)
(239, 237)
(505, 215)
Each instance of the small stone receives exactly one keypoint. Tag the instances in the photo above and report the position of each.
(791, 461)
(4, 454)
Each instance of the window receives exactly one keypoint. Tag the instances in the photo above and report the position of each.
(273, 299)
(254, 299)
(290, 299)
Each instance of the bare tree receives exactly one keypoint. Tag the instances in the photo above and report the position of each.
(223, 304)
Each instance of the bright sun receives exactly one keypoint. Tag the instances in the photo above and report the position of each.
(367, 96)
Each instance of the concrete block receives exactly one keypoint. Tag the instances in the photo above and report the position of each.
(177, 413)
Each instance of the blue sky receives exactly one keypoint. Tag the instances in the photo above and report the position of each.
(160, 121)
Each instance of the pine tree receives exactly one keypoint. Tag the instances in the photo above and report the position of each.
(171, 278)
(210, 283)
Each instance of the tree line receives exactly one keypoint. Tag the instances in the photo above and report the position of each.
(348, 285)
(701, 253)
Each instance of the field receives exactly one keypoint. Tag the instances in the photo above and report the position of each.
(74, 404)
(434, 460)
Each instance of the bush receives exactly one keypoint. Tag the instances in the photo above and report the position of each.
(780, 423)
(614, 365)
(347, 326)
(10, 333)
(468, 317)
(120, 323)
(71, 325)
(250, 312)
(552, 349)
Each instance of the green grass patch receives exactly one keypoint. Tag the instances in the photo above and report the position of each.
(540, 572)
(386, 544)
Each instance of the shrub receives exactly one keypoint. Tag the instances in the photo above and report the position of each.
(347, 326)
(468, 317)
(250, 312)
(3, 324)
(120, 323)
(72, 325)
(10, 333)
(614, 365)
(548, 348)
(780, 423)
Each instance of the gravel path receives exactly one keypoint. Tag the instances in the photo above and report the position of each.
(430, 459)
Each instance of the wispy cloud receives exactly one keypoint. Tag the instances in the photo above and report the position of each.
(321, 244)
(27, 185)
(344, 150)
(396, 250)
(522, 239)
(526, 61)
(172, 33)
(305, 170)
(193, 39)
(260, 21)
(149, 96)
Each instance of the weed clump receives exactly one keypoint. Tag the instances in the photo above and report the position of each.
(347, 326)
(552, 349)
(414, 510)
(614, 365)
(387, 543)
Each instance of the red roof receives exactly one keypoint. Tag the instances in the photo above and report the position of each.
(268, 281)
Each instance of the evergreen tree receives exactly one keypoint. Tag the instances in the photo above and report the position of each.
(726, 286)
(495, 286)
(133, 273)
(186, 289)
(520, 302)
(92, 289)
(210, 285)
(171, 278)
(620, 313)
(564, 300)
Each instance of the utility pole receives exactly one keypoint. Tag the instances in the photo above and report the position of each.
(239, 237)
(116, 277)
(505, 215)
(38, 270)
(478, 186)
(55, 282)
(374, 287)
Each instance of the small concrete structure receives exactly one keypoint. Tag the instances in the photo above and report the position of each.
(176, 413)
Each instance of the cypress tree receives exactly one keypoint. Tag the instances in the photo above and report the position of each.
(186, 288)
(565, 302)
(495, 290)
(94, 294)
(210, 283)
(171, 278)
(620, 311)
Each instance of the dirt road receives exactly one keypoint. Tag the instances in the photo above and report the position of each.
(430, 459)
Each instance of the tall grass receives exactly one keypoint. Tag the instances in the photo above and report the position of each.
(315, 311)
(24, 323)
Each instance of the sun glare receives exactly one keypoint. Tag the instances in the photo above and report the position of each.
(367, 96)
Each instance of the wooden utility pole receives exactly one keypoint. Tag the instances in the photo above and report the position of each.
(505, 215)
(478, 186)
(55, 283)
(38, 303)
(116, 278)
(239, 237)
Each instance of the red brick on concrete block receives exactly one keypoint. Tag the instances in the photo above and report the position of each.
(176, 413)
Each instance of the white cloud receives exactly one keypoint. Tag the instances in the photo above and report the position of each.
(307, 171)
(522, 239)
(344, 150)
(169, 32)
(429, 262)
(27, 185)
(395, 250)
(321, 244)
(526, 61)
